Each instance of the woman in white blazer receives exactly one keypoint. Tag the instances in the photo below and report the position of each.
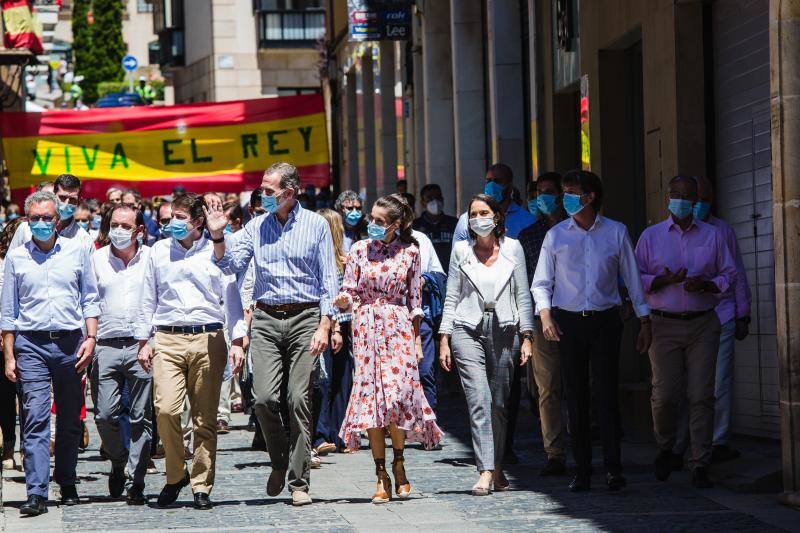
(487, 304)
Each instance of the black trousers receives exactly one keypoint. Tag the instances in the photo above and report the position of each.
(592, 343)
(8, 411)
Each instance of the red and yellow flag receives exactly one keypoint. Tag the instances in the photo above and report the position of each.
(205, 147)
(22, 27)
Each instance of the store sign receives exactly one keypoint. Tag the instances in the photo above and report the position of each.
(379, 20)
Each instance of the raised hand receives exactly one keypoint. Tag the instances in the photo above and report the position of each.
(215, 220)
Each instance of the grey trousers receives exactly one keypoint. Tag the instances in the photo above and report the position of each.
(116, 363)
(282, 373)
(485, 359)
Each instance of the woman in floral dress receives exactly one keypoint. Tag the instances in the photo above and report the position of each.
(382, 283)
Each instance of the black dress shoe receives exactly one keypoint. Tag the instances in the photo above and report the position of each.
(201, 501)
(69, 495)
(170, 492)
(135, 495)
(663, 466)
(581, 483)
(35, 506)
(700, 479)
(553, 467)
(615, 481)
(116, 481)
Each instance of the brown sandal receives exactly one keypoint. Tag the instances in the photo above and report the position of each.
(384, 492)
(401, 485)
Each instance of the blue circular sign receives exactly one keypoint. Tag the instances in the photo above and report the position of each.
(129, 63)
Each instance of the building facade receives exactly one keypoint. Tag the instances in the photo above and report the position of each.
(638, 92)
(221, 50)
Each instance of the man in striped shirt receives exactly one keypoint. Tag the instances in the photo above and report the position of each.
(295, 282)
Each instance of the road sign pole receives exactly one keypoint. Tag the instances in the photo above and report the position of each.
(130, 82)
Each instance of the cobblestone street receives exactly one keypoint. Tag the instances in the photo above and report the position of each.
(440, 501)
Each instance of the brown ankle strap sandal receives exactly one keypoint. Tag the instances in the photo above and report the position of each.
(401, 485)
(384, 492)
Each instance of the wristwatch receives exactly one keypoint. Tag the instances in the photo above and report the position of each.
(218, 241)
(527, 336)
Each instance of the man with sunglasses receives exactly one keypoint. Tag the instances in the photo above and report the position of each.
(44, 344)
(67, 189)
(295, 282)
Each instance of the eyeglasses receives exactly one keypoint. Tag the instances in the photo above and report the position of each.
(352, 208)
(38, 218)
(164, 220)
(115, 225)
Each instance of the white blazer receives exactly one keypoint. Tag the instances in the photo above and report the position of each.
(464, 304)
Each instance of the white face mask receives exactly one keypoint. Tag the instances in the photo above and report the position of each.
(434, 207)
(482, 226)
(120, 238)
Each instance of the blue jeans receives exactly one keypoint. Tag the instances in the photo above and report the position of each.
(334, 391)
(427, 367)
(40, 362)
(723, 384)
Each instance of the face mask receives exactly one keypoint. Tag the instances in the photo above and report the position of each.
(12, 216)
(680, 208)
(494, 189)
(228, 229)
(701, 210)
(96, 221)
(120, 238)
(269, 203)
(572, 204)
(84, 224)
(376, 232)
(352, 218)
(482, 226)
(147, 213)
(434, 207)
(533, 208)
(166, 230)
(66, 211)
(42, 230)
(2, 220)
(547, 203)
(180, 230)
(140, 239)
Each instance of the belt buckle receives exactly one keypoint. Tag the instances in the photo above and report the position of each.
(53, 335)
(586, 313)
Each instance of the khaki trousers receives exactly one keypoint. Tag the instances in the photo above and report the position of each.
(544, 373)
(193, 365)
(683, 356)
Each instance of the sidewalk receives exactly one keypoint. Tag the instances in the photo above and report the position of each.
(440, 500)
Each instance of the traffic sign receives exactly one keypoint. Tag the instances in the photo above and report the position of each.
(129, 63)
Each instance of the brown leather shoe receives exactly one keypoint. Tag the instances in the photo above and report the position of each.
(187, 453)
(222, 427)
(276, 482)
(401, 485)
(383, 494)
(85, 437)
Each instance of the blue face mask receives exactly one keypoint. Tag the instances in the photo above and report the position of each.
(533, 208)
(680, 208)
(494, 189)
(96, 221)
(84, 224)
(376, 232)
(701, 210)
(269, 203)
(166, 230)
(42, 230)
(66, 211)
(2, 219)
(572, 204)
(352, 218)
(179, 229)
(228, 229)
(147, 213)
(12, 216)
(547, 203)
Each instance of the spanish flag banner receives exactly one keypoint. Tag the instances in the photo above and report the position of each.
(22, 26)
(204, 147)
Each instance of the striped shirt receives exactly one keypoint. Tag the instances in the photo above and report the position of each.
(294, 263)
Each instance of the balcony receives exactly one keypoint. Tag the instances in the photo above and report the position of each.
(290, 28)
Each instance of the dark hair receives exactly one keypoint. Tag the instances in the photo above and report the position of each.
(552, 177)
(692, 179)
(8, 234)
(499, 230)
(588, 182)
(410, 200)
(431, 187)
(43, 184)
(66, 182)
(158, 209)
(83, 206)
(105, 223)
(235, 210)
(289, 175)
(255, 199)
(502, 171)
(402, 182)
(398, 209)
(135, 194)
(193, 204)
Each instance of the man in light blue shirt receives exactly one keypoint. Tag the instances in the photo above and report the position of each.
(49, 294)
(295, 283)
(499, 185)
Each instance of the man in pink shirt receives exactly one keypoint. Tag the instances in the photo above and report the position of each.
(685, 265)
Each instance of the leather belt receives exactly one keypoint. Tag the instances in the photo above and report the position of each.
(191, 330)
(286, 309)
(57, 334)
(588, 313)
(689, 315)
(116, 340)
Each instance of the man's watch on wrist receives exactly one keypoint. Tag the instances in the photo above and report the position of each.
(527, 336)
(218, 241)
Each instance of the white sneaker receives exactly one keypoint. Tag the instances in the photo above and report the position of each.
(316, 462)
(300, 498)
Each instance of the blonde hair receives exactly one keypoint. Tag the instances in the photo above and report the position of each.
(334, 221)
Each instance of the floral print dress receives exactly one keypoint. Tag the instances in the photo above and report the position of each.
(385, 285)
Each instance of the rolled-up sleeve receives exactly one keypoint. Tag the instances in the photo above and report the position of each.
(544, 278)
(726, 266)
(9, 301)
(238, 256)
(326, 272)
(144, 323)
(90, 297)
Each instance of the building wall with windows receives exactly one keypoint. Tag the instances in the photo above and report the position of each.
(137, 30)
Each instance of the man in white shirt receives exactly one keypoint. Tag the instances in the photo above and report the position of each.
(576, 289)
(68, 191)
(187, 300)
(119, 268)
(49, 295)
